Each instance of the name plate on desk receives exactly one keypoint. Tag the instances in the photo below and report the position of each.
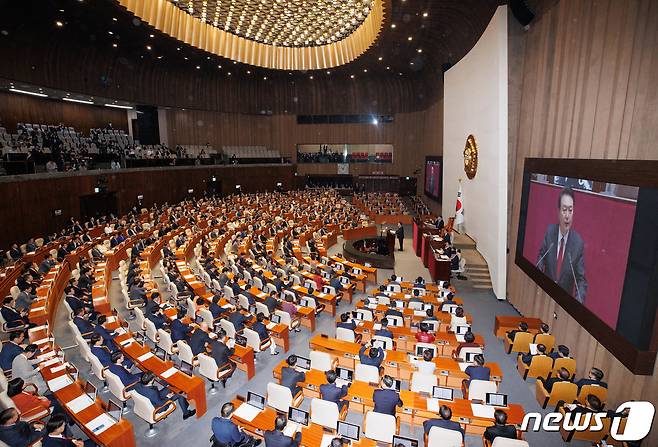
(444, 372)
(402, 337)
(393, 364)
(407, 410)
(356, 399)
(347, 355)
(310, 386)
(464, 420)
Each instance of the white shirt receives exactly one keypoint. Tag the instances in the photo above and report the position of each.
(424, 367)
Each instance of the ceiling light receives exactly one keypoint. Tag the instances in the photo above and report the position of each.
(110, 33)
(25, 92)
(198, 67)
(365, 70)
(59, 23)
(328, 72)
(310, 77)
(352, 76)
(115, 19)
(409, 38)
(115, 45)
(148, 47)
(425, 14)
(219, 66)
(375, 121)
(388, 68)
(393, 25)
(160, 57)
(380, 58)
(420, 50)
(264, 78)
(151, 36)
(117, 106)
(248, 72)
(81, 101)
(229, 73)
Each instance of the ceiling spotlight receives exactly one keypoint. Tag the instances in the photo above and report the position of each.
(198, 67)
(380, 58)
(110, 33)
(114, 19)
(115, 45)
(425, 14)
(160, 57)
(59, 23)
(151, 36)
(264, 78)
(248, 72)
(219, 66)
(310, 77)
(420, 50)
(352, 76)
(409, 38)
(148, 47)
(393, 25)
(328, 72)
(388, 68)
(365, 70)
(229, 73)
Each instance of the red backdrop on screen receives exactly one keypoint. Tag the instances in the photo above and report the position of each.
(605, 224)
(433, 178)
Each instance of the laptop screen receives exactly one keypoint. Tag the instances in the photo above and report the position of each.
(90, 389)
(461, 330)
(255, 400)
(304, 303)
(114, 410)
(252, 310)
(399, 304)
(350, 431)
(405, 442)
(198, 319)
(443, 393)
(398, 385)
(421, 349)
(345, 374)
(298, 416)
(274, 318)
(241, 340)
(160, 353)
(186, 368)
(381, 344)
(393, 321)
(303, 363)
(496, 399)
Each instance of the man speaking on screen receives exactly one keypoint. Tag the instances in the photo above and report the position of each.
(561, 256)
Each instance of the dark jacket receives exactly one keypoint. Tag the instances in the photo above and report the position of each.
(179, 330)
(226, 432)
(198, 341)
(386, 401)
(261, 330)
(442, 423)
(127, 378)
(333, 393)
(220, 352)
(10, 351)
(290, 377)
(367, 360)
(237, 319)
(503, 431)
(276, 438)
(19, 434)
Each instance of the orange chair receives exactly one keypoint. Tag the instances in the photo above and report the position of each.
(564, 362)
(540, 366)
(561, 391)
(547, 340)
(521, 342)
(597, 390)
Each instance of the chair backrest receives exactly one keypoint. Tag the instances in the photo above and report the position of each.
(597, 390)
(380, 427)
(191, 308)
(165, 342)
(207, 367)
(366, 373)
(279, 397)
(6, 401)
(243, 302)
(383, 300)
(562, 391)
(423, 383)
(269, 288)
(258, 283)
(418, 290)
(395, 320)
(415, 305)
(97, 367)
(540, 366)
(324, 413)
(228, 327)
(207, 316)
(253, 339)
(478, 389)
(564, 362)
(185, 353)
(388, 342)
(522, 342)
(394, 288)
(116, 386)
(345, 334)
(472, 350)
(506, 442)
(321, 361)
(14, 291)
(3, 381)
(228, 292)
(151, 331)
(262, 309)
(285, 317)
(143, 407)
(139, 318)
(547, 340)
(366, 314)
(442, 437)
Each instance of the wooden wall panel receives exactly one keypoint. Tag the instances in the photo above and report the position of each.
(33, 200)
(19, 108)
(588, 90)
(413, 135)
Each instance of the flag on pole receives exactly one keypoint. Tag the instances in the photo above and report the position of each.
(459, 209)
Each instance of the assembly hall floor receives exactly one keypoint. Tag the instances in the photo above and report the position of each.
(481, 303)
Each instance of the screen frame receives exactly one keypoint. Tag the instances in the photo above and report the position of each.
(640, 173)
(438, 198)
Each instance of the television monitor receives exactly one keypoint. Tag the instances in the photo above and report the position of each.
(587, 235)
(496, 399)
(442, 393)
(255, 400)
(349, 431)
(433, 177)
(399, 304)
(298, 416)
(160, 353)
(253, 310)
(398, 385)
(303, 363)
(405, 442)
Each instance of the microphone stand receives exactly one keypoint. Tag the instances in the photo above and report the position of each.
(544, 255)
(574, 278)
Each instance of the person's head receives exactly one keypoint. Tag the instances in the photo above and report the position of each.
(95, 340)
(459, 312)
(544, 328)
(260, 317)
(291, 360)
(147, 378)
(596, 374)
(424, 327)
(227, 409)
(450, 296)
(331, 376)
(31, 350)
(15, 387)
(393, 277)
(445, 412)
(594, 402)
(101, 319)
(7, 300)
(374, 352)
(388, 382)
(419, 280)
(469, 337)
(563, 351)
(565, 209)
(56, 424)
(564, 374)
(501, 417)
(288, 298)
(446, 285)
(8, 417)
(344, 317)
(427, 355)
(17, 337)
(200, 301)
(216, 298)
(384, 323)
(180, 313)
(155, 310)
(479, 359)
(399, 224)
(280, 422)
(523, 326)
(429, 312)
(117, 357)
(336, 442)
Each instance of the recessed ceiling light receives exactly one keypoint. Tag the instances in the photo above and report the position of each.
(229, 73)
(425, 14)
(264, 78)
(420, 50)
(219, 66)
(59, 23)
(151, 36)
(178, 48)
(352, 76)
(393, 25)
(310, 77)
(185, 57)
(365, 70)
(409, 38)
(115, 45)
(160, 57)
(81, 101)
(234, 62)
(328, 72)
(110, 32)
(248, 72)
(380, 58)
(115, 19)
(388, 68)
(400, 74)
(148, 47)
(198, 67)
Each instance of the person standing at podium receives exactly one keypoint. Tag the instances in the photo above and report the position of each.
(399, 233)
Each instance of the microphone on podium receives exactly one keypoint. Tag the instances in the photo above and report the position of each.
(544, 255)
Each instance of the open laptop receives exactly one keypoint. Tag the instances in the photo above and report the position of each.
(90, 390)
(421, 349)
(496, 399)
(345, 376)
(274, 318)
(348, 431)
(461, 330)
(186, 368)
(303, 363)
(198, 319)
(253, 310)
(241, 340)
(304, 302)
(114, 410)
(405, 442)
(469, 357)
(399, 304)
(296, 419)
(160, 353)
(254, 404)
(442, 393)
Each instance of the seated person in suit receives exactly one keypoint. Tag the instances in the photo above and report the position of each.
(393, 311)
(227, 433)
(157, 317)
(425, 365)
(447, 302)
(17, 433)
(271, 302)
(477, 371)
(563, 375)
(23, 367)
(544, 329)
(384, 331)
(26, 401)
(289, 306)
(561, 352)
(13, 318)
(263, 334)
(57, 434)
(527, 358)
(500, 429)
(595, 378)
(430, 315)
(101, 351)
(445, 422)
(128, 379)
(336, 284)
(592, 405)
(386, 398)
(237, 319)
(290, 377)
(523, 327)
(158, 397)
(81, 321)
(469, 342)
(107, 336)
(375, 356)
(420, 282)
(180, 330)
(215, 309)
(345, 322)
(333, 393)
(276, 438)
(199, 339)
(221, 353)
(423, 336)
(457, 319)
(11, 348)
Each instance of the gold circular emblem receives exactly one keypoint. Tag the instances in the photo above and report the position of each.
(471, 157)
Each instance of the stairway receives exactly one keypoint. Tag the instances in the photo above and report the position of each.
(477, 269)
